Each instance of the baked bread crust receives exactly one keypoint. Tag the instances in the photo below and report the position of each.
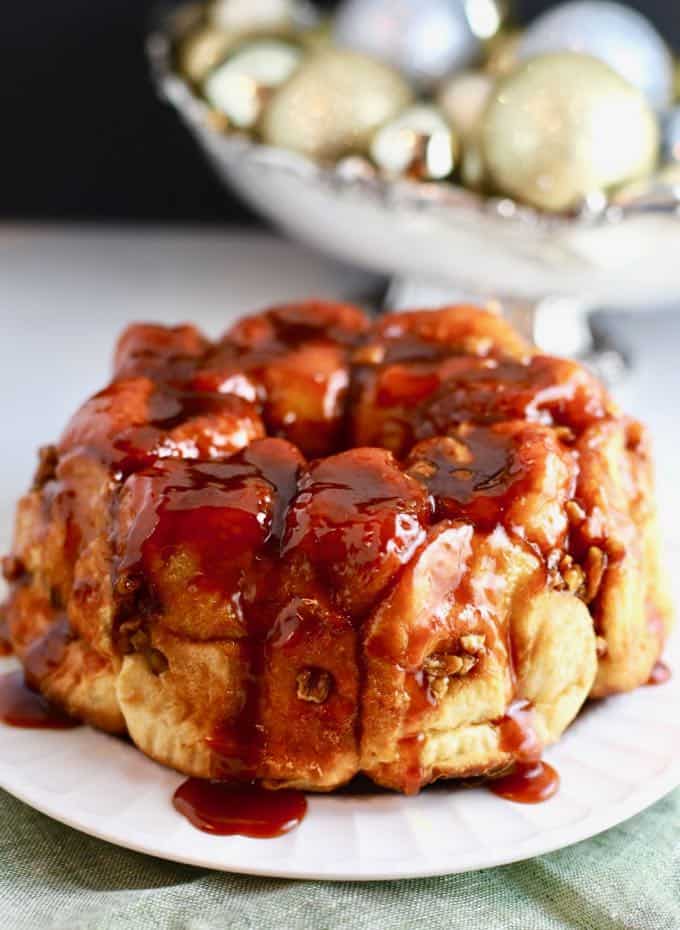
(321, 547)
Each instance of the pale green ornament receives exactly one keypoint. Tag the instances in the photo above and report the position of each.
(565, 126)
(333, 104)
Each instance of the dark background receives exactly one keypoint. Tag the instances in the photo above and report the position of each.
(82, 135)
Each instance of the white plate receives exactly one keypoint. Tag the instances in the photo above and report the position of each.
(619, 757)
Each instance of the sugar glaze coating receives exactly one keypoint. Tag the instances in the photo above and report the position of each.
(320, 547)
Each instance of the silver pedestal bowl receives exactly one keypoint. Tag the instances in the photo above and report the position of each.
(440, 242)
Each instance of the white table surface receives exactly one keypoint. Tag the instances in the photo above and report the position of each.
(65, 293)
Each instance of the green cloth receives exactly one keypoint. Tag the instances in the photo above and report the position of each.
(54, 878)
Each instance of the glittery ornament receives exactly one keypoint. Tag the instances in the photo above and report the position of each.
(419, 143)
(566, 126)
(333, 104)
(659, 189)
(669, 175)
(424, 39)
(464, 98)
(250, 16)
(202, 50)
(501, 52)
(241, 86)
(671, 135)
(473, 171)
(616, 34)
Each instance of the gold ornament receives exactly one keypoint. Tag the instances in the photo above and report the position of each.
(246, 17)
(565, 126)
(419, 143)
(502, 53)
(464, 98)
(317, 37)
(228, 24)
(473, 172)
(241, 86)
(659, 185)
(669, 176)
(201, 50)
(333, 104)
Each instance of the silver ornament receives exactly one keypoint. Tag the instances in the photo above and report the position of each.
(419, 143)
(424, 39)
(241, 86)
(621, 37)
(671, 135)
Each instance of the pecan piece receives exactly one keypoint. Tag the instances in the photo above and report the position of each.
(595, 567)
(439, 669)
(575, 512)
(369, 355)
(314, 685)
(157, 661)
(473, 643)
(565, 434)
(573, 576)
(48, 458)
(12, 568)
(422, 470)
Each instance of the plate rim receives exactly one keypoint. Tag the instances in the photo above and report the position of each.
(542, 842)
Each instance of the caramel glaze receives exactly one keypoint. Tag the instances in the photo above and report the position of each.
(5, 638)
(230, 517)
(235, 511)
(529, 783)
(532, 780)
(227, 809)
(21, 706)
(129, 425)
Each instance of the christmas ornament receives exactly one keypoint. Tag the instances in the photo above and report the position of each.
(424, 39)
(565, 126)
(616, 34)
(249, 16)
(419, 143)
(473, 171)
(670, 177)
(502, 52)
(241, 86)
(660, 189)
(202, 50)
(463, 99)
(333, 104)
(487, 17)
(671, 135)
